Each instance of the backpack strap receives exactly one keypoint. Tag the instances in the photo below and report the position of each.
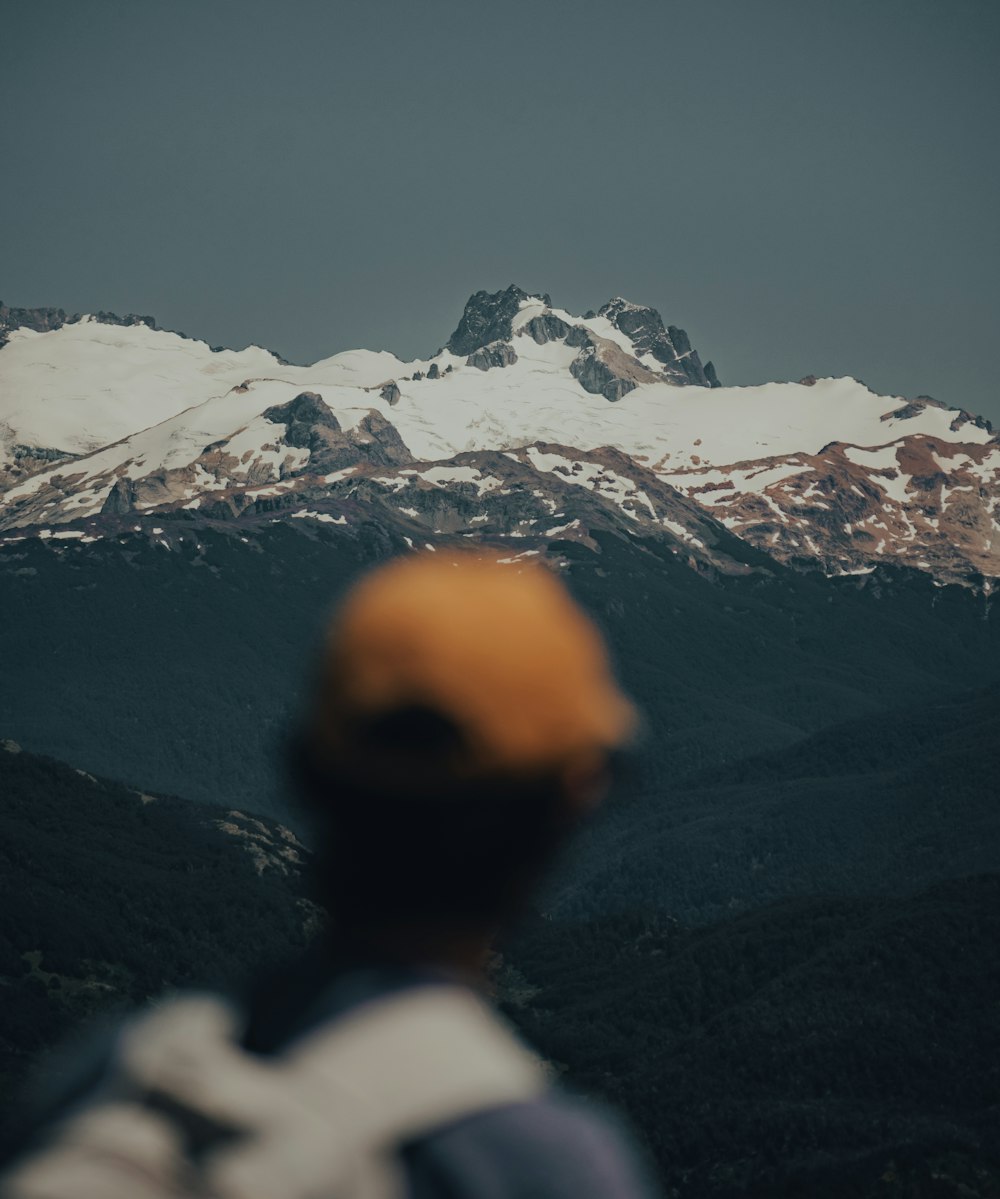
(325, 1118)
(384, 1074)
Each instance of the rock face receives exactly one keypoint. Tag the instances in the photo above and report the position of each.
(545, 328)
(41, 320)
(488, 317)
(671, 347)
(44, 320)
(498, 353)
(378, 442)
(603, 367)
(121, 499)
(27, 460)
(32, 454)
(310, 425)
(302, 418)
(390, 392)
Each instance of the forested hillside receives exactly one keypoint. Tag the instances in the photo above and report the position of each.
(776, 947)
(109, 896)
(885, 804)
(818, 1047)
(180, 669)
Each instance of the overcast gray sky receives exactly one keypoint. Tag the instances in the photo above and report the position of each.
(807, 186)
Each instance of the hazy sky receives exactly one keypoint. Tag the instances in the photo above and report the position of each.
(807, 186)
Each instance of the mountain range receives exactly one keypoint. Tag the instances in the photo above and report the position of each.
(530, 426)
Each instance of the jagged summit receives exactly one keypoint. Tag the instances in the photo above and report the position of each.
(670, 346)
(48, 320)
(492, 317)
(489, 317)
(45, 320)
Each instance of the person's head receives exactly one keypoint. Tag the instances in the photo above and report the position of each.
(464, 719)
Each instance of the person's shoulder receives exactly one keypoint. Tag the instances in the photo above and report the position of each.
(552, 1147)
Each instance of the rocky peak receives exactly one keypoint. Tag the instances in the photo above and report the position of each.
(487, 318)
(311, 425)
(45, 320)
(379, 442)
(301, 417)
(670, 346)
(41, 320)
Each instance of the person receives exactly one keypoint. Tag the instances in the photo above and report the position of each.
(463, 720)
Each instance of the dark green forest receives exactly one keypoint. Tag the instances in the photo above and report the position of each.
(776, 948)
(888, 803)
(817, 1047)
(109, 897)
(179, 669)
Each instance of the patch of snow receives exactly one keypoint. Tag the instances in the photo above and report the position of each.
(443, 475)
(324, 517)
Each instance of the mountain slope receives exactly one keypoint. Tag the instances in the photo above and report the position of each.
(181, 668)
(818, 1047)
(883, 805)
(816, 474)
(108, 895)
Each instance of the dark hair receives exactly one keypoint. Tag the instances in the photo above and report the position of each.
(405, 834)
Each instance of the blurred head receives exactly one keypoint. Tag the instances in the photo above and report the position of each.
(464, 719)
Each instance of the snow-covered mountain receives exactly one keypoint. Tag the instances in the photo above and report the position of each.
(531, 426)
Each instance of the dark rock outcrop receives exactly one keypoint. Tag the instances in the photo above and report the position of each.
(121, 498)
(41, 320)
(112, 318)
(390, 392)
(711, 376)
(378, 441)
(302, 417)
(310, 424)
(487, 318)
(45, 320)
(546, 327)
(907, 412)
(32, 455)
(499, 353)
(603, 368)
(433, 371)
(670, 346)
(594, 376)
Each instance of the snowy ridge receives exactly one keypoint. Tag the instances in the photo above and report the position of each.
(97, 421)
